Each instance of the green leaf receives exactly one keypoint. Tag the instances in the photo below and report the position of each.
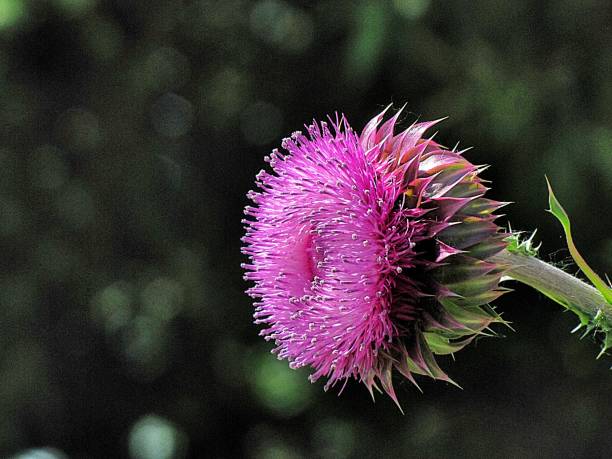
(558, 211)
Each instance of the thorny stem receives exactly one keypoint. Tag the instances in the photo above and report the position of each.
(556, 284)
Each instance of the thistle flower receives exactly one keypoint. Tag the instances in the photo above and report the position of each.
(370, 252)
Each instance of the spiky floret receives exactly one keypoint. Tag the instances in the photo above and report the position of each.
(369, 252)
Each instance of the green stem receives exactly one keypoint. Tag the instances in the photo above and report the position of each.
(565, 289)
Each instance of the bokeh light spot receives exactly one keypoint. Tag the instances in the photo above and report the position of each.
(153, 437)
(102, 38)
(282, 25)
(146, 348)
(279, 388)
(79, 129)
(166, 68)
(40, 453)
(162, 298)
(11, 12)
(428, 426)
(278, 451)
(366, 45)
(75, 8)
(411, 9)
(335, 438)
(112, 306)
(225, 93)
(172, 115)
(264, 442)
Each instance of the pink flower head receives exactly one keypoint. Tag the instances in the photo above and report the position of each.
(368, 252)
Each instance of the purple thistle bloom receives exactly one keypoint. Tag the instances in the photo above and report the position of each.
(368, 252)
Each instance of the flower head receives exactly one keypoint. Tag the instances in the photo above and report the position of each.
(369, 252)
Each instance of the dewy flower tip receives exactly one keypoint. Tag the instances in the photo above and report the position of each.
(371, 252)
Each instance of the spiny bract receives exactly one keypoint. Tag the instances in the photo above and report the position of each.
(369, 252)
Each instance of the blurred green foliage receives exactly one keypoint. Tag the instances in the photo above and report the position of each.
(131, 131)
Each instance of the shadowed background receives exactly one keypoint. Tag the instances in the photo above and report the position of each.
(130, 132)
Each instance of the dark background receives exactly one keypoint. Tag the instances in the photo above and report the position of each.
(130, 132)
